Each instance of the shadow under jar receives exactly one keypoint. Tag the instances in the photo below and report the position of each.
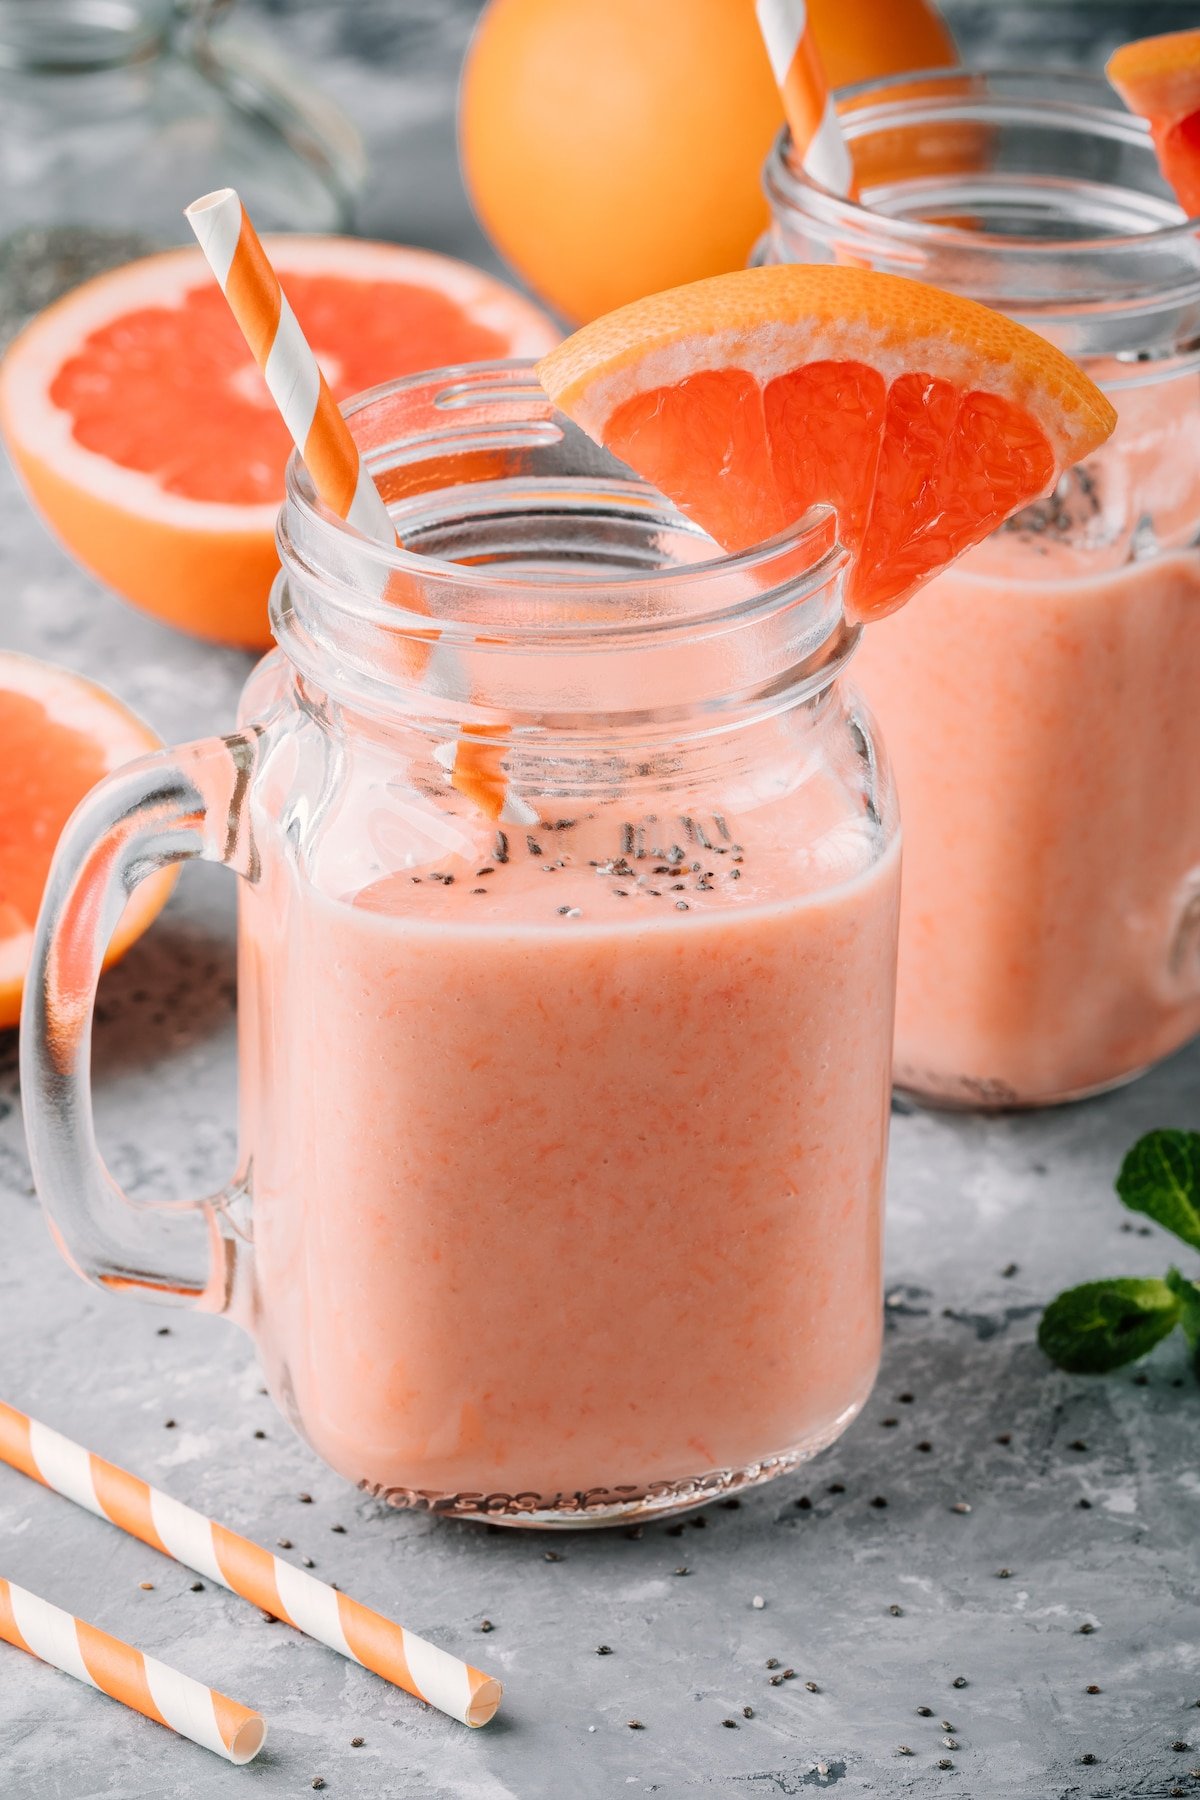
(1039, 699)
(563, 1137)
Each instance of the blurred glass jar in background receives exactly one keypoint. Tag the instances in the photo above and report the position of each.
(115, 113)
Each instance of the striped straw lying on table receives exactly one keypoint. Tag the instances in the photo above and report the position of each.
(203, 1714)
(270, 1583)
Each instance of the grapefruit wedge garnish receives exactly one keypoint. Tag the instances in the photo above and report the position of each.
(1159, 77)
(924, 419)
(59, 734)
(146, 436)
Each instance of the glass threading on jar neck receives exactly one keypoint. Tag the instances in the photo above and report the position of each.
(568, 598)
(1035, 193)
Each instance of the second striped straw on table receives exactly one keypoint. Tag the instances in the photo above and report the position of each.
(320, 433)
(818, 145)
(203, 1714)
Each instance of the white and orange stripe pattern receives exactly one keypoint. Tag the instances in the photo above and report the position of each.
(275, 1586)
(320, 433)
(818, 146)
(163, 1694)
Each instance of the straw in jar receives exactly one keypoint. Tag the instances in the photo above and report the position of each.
(818, 146)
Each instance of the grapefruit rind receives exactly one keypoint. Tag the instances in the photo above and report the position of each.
(770, 321)
(80, 706)
(1159, 77)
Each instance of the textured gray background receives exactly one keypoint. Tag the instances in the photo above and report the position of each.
(969, 1197)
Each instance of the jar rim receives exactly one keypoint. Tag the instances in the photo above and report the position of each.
(784, 571)
(858, 119)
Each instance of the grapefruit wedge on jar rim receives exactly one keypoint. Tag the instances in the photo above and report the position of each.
(146, 436)
(1159, 78)
(924, 419)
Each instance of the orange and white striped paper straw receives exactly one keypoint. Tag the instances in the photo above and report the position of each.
(163, 1694)
(818, 146)
(320, 433)
(275, 1586)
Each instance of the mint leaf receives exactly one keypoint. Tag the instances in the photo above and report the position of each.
(1161, 1178)
(1103, 1324)
(1188, 1295)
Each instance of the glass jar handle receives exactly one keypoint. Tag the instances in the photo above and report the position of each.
(156, 812)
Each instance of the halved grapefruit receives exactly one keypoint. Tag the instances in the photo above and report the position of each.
(59, 734)
(924, 419)
(1159, 77)
(146, 436)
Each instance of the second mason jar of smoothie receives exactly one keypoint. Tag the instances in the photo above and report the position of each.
(1039, 698)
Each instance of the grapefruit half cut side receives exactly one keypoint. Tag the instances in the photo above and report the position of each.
(59, 735)
(925, 420)
(145, 434)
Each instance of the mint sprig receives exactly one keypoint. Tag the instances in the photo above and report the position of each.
(1161, 1178)
(1105, 1324)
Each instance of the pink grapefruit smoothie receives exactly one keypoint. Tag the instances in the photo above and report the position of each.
(1042, 718)
(568, 1174)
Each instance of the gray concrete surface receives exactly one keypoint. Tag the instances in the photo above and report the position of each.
(883, 1609)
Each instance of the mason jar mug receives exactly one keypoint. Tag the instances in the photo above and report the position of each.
(566, 974)
(1039, 697)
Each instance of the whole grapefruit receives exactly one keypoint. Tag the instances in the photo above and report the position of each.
(613, 148)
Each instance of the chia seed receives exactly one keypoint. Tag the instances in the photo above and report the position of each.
(486, 1625)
